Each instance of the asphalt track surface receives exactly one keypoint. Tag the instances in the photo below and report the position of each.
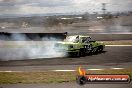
(115, 56)
(112, 56)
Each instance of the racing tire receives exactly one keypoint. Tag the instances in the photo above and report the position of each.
(101, 48)
(82, 52)
(74, 54)
(88, 49)
(77, 54)
(94, 50)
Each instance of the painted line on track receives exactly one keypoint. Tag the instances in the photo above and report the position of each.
(95, 69)
(12, 71)
(118, 45)
(65, 70)
(117, 68)
(86, 69)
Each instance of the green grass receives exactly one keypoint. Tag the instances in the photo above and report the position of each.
(36, 77)
(50, 77)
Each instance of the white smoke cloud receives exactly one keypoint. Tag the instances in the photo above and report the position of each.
(19, 50)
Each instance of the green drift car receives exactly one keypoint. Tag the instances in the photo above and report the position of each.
(79, 45)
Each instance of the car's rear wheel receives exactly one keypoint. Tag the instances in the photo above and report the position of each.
(94, 50)
(73, 54)
(82, 52)
(77, 54)
(88, 49)
(100, 48)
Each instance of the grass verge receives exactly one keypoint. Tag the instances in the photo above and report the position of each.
(50, 77)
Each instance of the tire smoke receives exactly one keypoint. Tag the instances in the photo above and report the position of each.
(20, 50)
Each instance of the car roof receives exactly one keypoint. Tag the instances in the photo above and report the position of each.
(80, 35)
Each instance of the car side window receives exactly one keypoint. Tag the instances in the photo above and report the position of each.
(86, 40)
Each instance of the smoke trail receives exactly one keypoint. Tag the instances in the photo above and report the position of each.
(19, 50)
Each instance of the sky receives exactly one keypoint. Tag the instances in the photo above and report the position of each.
(62, 6)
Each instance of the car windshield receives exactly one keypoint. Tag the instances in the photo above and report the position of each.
(72, 39)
